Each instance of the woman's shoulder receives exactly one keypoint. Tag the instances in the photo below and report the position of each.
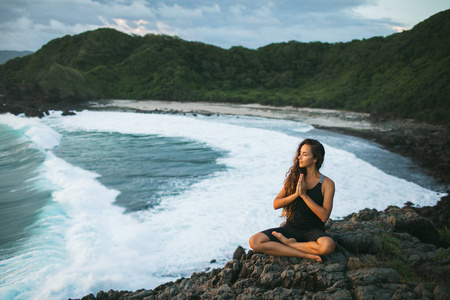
(327, 181)
(328, 186)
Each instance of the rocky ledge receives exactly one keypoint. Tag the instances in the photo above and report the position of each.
(393, 254)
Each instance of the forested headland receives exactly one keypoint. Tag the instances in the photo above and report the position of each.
(404, 75)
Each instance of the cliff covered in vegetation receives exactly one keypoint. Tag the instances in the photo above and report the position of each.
(404, 75)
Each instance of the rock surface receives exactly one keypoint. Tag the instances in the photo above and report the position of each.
(379, 255)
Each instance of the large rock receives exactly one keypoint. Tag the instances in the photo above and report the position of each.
(411, 222)
(376, 257)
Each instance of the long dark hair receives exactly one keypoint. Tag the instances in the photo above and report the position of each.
(293, 174)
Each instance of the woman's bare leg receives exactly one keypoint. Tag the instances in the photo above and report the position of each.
(261, 243)
(323, 246)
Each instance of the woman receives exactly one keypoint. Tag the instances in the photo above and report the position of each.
(307, 200)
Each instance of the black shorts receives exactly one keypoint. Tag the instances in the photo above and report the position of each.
(301, 235)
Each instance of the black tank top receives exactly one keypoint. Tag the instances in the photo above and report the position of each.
(303, 217)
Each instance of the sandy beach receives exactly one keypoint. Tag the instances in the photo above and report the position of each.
(313, 116)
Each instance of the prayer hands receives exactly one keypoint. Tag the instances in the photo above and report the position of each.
(301, 186)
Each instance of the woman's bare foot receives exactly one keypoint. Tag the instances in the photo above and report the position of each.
(286, 241)
(283, 239)
(318, 258)
(312, 256)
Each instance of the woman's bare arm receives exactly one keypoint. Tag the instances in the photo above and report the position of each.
(282, 201)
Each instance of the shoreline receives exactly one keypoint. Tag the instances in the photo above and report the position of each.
(427, 145)
(325, 118)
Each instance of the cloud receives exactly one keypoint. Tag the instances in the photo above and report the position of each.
(399, 28)
(122, 25)
(179, 12)
(261, 16)
(405, 13)
(28, 24)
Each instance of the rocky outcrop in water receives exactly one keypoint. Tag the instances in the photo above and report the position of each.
(393, 254)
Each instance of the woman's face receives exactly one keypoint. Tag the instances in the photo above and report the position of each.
(306, 157)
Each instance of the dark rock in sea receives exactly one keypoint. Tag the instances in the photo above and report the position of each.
(15, 110)
(379, 255)
(27, 111)
(68, 113)
(238, 253)
(35, 112)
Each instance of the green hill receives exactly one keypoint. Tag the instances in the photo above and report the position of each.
(405, 75)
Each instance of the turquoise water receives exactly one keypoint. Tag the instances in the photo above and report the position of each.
(22, 194)
(124, 201)
(144, 168)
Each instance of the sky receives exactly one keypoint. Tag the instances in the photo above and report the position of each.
(30, 24)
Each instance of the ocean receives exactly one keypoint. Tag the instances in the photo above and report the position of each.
(124, 201)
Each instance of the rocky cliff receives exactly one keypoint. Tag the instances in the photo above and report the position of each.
(393, 254)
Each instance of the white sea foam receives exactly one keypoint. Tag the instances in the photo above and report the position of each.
(99, 247)
(43, 137)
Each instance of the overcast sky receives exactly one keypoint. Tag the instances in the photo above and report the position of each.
(29, 24)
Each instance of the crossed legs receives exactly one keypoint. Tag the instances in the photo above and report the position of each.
(323, 246)
(290, 247)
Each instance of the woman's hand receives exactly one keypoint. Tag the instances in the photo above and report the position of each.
(301, 186)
